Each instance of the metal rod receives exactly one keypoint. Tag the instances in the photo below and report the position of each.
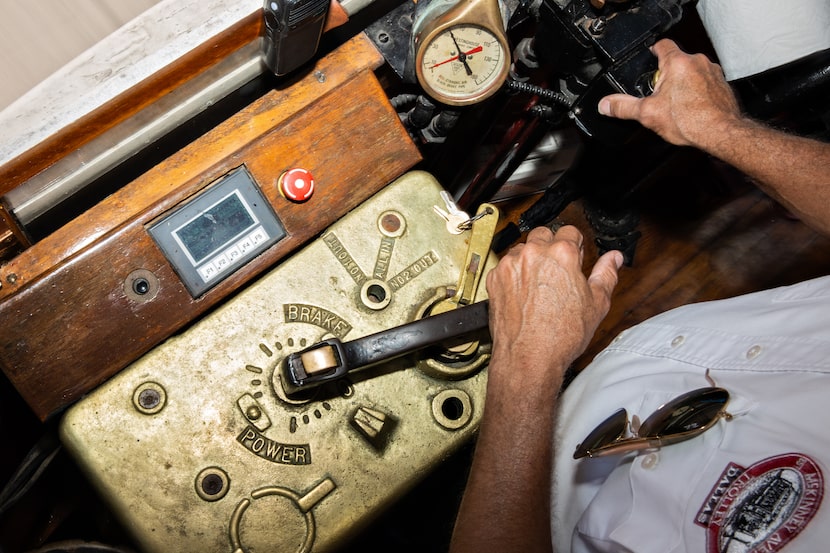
(72, 174)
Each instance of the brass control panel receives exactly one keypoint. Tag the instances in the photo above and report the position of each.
(198, 445)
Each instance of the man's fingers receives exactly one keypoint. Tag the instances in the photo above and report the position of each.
(621, 106)
(540, 234)
(664, 47)
(570, 233)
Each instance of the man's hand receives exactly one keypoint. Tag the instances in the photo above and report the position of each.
(692, 105)
(691, 99)
(543, 311)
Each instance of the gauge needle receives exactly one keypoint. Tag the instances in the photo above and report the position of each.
(462, 57)
(475, 50)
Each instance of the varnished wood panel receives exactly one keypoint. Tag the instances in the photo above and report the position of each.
(66, 323)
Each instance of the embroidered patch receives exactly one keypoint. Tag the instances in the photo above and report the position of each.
(761, 508)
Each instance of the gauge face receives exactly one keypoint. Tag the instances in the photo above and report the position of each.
(462, 64)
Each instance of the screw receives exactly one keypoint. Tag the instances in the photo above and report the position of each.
(598, 25)
(212, 484)
(141, 286)
(390, 222)
(253, 413)
(149, 398)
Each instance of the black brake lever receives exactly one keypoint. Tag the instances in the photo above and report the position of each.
(331, 359)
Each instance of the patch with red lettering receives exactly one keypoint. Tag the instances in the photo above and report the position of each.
(761, 508)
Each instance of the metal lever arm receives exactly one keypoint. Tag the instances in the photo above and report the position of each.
(332, 359)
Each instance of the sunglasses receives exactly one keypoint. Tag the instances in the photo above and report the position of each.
(681, 419)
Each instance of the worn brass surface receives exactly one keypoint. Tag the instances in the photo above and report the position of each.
(197, 447)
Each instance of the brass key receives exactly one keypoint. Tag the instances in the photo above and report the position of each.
(454, 217)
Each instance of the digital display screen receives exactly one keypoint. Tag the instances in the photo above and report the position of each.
(217, 231)
(215, 227)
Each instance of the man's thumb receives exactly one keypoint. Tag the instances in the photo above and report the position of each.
(621, 106)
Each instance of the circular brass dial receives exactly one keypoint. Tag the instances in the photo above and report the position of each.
(462, 55)
(462, 64)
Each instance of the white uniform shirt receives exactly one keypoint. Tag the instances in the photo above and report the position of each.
(751, 36)
(753, 483)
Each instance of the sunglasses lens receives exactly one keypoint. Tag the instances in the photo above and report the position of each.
(692, 411)
(607, 432)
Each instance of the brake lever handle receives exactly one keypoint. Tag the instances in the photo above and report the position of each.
(332, 359)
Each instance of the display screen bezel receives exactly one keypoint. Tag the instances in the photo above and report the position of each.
(200, 268)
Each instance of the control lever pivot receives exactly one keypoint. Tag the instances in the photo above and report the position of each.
(331, 359)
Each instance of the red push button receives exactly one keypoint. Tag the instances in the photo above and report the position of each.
(296, 185)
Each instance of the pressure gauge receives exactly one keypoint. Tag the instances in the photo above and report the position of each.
(462, 56)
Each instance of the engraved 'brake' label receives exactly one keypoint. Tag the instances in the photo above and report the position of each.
(318, 316)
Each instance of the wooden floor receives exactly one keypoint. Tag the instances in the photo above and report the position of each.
(708, 233)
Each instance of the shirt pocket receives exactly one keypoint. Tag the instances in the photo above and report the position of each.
(646, 501)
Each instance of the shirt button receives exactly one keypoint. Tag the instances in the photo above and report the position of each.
(649, 461)
(678, 340)
(753, 352)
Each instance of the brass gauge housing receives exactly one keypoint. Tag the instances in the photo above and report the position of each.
(462, 57)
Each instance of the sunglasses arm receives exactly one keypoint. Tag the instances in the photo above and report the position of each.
(624, 445)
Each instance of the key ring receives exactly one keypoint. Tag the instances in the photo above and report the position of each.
(468, 224)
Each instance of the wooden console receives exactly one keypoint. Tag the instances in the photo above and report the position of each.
(67, 318)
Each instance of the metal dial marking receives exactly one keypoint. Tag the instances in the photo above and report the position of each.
(462, 56)
(462, 61)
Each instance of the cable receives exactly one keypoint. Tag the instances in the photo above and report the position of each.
(545, 94)
(30, 469)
